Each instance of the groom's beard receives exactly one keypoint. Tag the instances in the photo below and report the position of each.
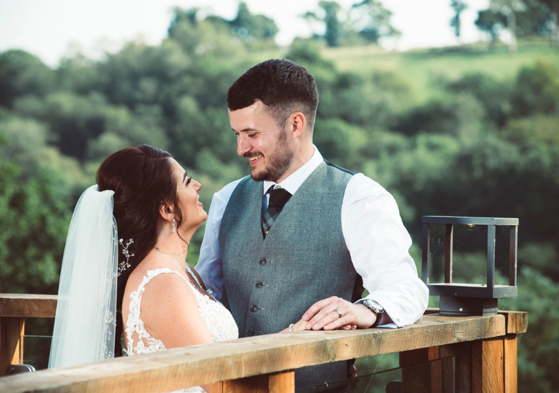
(277, 162)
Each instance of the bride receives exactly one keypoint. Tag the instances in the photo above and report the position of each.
(124, 269)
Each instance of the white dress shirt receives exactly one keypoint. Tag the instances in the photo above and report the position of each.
(374, 234)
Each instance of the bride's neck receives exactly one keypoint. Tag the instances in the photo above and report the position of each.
(174, 244)
(178, 248)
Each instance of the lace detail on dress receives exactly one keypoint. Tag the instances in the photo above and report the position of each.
(218, 320)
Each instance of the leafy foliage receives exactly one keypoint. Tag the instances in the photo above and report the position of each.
(34, 216)
(372, 21)
(458, 6)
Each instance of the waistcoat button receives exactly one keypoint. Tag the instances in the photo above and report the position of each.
(250, 332)
(262, 261)
(254, 308)
(259, 284)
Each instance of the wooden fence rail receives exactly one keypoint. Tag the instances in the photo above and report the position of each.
(484, 348)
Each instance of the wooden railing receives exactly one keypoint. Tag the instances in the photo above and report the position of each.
(483, 349)
(14, 308)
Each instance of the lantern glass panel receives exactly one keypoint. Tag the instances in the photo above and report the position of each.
(502, 255)
(436, 252)
(470, 254)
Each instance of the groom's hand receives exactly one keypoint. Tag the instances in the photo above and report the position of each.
(336, 313)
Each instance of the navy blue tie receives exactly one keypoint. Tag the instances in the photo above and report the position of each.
(278, 199)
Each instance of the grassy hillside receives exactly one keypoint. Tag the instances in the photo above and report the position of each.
(421, 68)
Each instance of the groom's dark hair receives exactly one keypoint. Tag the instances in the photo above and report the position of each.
(282, 85)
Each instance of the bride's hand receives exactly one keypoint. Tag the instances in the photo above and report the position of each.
(296, 327)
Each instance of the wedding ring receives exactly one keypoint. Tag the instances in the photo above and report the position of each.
(339, 313)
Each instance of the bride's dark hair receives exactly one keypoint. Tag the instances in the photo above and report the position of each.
(142, 179)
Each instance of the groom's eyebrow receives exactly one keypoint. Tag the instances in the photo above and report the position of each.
(248, 129)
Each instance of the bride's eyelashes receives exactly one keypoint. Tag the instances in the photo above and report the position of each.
(186, 180)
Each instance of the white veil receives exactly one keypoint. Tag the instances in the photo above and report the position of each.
(84, 327)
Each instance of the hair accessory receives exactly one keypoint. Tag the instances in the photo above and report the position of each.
(174, 228)
(122, 266)
(291, 327)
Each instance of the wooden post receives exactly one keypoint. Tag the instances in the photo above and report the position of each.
(421, 371)
(11, 346)
(14, 308)
(268, 383)
(511, 364)
(488, 366)
(282, 382)
(462, 354)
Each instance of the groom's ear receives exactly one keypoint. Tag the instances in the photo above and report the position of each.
(298, 123)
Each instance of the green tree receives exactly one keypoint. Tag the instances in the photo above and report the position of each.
(458, 6)
(329, 16)
(34, 216)
(553, 6)
(73, 120)
(536, 90)
(539, 346)
(22, 73)
(79, 75)
(253, 27)
(534, 20)
(511, 9)
(459, 115)
(372, 20)
(211, 36)
(492, 94)
(491, 22)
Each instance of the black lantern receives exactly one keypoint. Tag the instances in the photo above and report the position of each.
(469, 298)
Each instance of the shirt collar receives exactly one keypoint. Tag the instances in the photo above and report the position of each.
(294, 181)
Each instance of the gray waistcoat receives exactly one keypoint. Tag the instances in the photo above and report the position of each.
(270, 283)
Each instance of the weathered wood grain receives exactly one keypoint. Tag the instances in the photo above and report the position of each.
(271, 383)
(511, 364)
(11, 347)
(462, 354)
(488, 366)
(282, 382)
(517, 321)
(27, 306)
(209, 363)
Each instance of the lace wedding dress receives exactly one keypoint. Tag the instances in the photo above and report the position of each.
(218, 319)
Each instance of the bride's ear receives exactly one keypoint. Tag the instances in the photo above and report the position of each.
(167, 211)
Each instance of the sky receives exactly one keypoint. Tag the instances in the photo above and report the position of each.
(52, 29)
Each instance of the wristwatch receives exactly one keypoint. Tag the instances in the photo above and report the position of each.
(374, 307)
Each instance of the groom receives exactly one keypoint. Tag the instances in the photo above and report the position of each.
(300, 232)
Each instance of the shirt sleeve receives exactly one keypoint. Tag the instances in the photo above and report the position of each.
(209, 265)
(379, 246)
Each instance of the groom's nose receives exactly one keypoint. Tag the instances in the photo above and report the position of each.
(243, 146)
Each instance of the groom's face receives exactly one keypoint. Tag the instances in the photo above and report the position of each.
(259, 139)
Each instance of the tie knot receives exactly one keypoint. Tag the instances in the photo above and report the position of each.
(278, 196)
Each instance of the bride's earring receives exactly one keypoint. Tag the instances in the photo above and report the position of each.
(174, 228)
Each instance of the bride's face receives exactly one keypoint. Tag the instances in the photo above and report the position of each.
(193, 213)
